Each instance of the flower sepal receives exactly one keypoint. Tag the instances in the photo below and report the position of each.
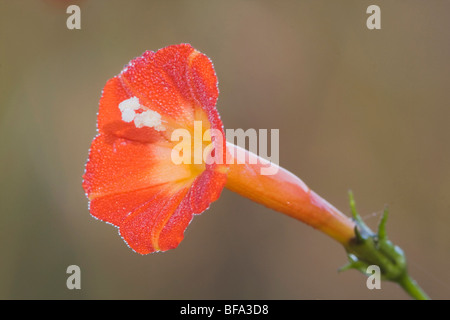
(368, 248)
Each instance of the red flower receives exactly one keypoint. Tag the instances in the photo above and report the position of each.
(130, 179)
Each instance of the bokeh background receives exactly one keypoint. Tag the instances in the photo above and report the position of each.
(357, 109)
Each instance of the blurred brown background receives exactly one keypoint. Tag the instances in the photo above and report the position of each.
(357, 109)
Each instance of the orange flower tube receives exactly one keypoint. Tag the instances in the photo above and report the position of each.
(286, 193)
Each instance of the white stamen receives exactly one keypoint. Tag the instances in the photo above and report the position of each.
(128, 115)
(130, 104)
(147, 118)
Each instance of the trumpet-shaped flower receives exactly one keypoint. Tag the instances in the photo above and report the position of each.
(136, 178)
(130, 179)
(141, 178)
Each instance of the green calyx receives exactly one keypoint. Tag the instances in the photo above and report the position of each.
(368, 248)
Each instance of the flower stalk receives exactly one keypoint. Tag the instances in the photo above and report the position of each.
(286, 193)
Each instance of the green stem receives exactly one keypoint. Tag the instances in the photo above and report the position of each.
(412, 288)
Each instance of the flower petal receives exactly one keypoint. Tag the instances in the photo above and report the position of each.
(174, 81)
(142, 228)
(110, 121)
(159, 224)
(118, 165)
